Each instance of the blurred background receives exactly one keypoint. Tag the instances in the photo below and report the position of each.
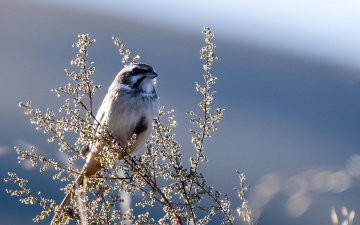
(289, 78)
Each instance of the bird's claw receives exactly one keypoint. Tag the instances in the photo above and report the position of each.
(116, 144)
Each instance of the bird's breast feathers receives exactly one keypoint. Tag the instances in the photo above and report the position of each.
(130, 114)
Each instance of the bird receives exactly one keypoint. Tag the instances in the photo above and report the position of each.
(128, 108)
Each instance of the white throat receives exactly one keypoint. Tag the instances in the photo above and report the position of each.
(148, 85)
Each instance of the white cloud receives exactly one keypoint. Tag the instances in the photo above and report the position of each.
(24, 145)
(353, 165)
(301, 188)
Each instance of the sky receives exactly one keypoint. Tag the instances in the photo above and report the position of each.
(326, 30)
(288, 79)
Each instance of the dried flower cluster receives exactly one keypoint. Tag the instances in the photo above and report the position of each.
(179, 194)
(347, 218)
(244, 211)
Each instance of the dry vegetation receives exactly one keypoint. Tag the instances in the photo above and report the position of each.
(164, 179)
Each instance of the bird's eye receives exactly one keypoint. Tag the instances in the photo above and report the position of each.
(136, 71)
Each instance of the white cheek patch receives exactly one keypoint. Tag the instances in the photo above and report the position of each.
(133, 79)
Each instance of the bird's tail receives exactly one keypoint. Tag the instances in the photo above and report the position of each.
(66, 201)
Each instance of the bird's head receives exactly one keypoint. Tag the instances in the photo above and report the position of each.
(137, 77)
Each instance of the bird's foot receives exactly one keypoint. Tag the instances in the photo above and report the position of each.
(69, 212)
(116, 144)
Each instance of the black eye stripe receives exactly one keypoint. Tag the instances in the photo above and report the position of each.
(138, 70)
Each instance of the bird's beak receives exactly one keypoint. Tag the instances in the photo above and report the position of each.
(151, 75)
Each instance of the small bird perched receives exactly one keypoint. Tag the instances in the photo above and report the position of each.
(128, 108)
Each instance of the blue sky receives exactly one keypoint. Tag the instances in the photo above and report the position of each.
(326, 30)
